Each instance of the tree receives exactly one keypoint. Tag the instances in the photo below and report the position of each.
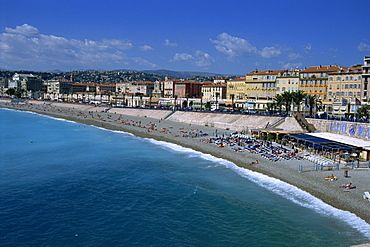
(10, 91)
(187, 100)
(298, 97)
(201, 101)
(175, 101)
(271, 106)
(232, 96)
(364, 110)
(313, 102)
(287, 100)
(217, 96)
(279, 101)
(150, 101)
(208, 106)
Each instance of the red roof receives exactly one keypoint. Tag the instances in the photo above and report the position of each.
(238, 79)
(321, 68)
(265, 72)
(215, 85)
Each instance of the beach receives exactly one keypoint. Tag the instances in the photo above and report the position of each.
(190, 135)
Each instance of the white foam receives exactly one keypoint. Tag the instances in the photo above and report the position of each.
(281, 188)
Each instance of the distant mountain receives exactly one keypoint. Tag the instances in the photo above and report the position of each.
(182, 74)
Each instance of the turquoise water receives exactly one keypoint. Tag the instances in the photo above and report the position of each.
(68, 184)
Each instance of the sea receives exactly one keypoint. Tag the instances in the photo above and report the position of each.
(68, 184)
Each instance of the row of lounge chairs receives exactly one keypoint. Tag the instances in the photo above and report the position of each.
(319, 161)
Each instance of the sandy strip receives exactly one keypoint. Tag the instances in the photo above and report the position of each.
(309, 180)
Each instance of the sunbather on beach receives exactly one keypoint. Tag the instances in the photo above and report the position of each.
(348, 186)
(254, 162)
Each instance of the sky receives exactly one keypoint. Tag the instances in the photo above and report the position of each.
(224, 37)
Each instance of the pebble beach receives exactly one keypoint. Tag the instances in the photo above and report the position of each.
(191, 136)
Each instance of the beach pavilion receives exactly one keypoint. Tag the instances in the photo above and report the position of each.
(335, 144)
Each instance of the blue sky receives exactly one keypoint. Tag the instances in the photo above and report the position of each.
(228, 37)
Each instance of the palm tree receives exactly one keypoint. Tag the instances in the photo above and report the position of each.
(217, 95)
(271, 106)
(175, 100)
(232, 96)
(287, 100)
(298, 97)
(150, 101)
(313, 102)
(364, 110)
(187, 100)
(279, 101)
(201, 101)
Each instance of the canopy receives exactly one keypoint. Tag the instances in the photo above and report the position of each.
(319, 142)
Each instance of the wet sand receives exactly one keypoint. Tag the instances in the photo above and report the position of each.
(189, 136)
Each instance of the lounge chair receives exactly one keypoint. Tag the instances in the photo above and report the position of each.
(366, 195)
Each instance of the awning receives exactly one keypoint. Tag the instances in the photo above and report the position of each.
(319, 142)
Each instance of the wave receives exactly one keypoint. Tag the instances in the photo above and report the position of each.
(288, 191)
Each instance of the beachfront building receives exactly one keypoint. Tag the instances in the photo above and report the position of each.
(287, 81)
(261, 87)
(365, 93)
(314, 80)
(236, 89)
(58, 86)
(169, 87)
(214, 93)
(107, 88)
(144, 88)
(84, 87)
(187, 89)
(32, 85)
(344, 90)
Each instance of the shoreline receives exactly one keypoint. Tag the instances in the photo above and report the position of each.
(312, 182)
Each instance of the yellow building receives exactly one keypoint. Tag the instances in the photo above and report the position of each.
(236, 87)
(287, 81)
(314, 80)
(344, 90)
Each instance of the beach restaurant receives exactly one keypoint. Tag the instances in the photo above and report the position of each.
(334, 144)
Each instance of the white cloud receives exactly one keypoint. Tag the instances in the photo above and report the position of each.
(199, 58)
(233, 46)
(146, 48)
(270, 52)
(22, 47)
(362, 47)
(293, 56)
(182, 57)
(25, 29)
(168, 43)
(307, 48)
(238, 47)
(290, 65)
(203, 59)
(144, 62)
